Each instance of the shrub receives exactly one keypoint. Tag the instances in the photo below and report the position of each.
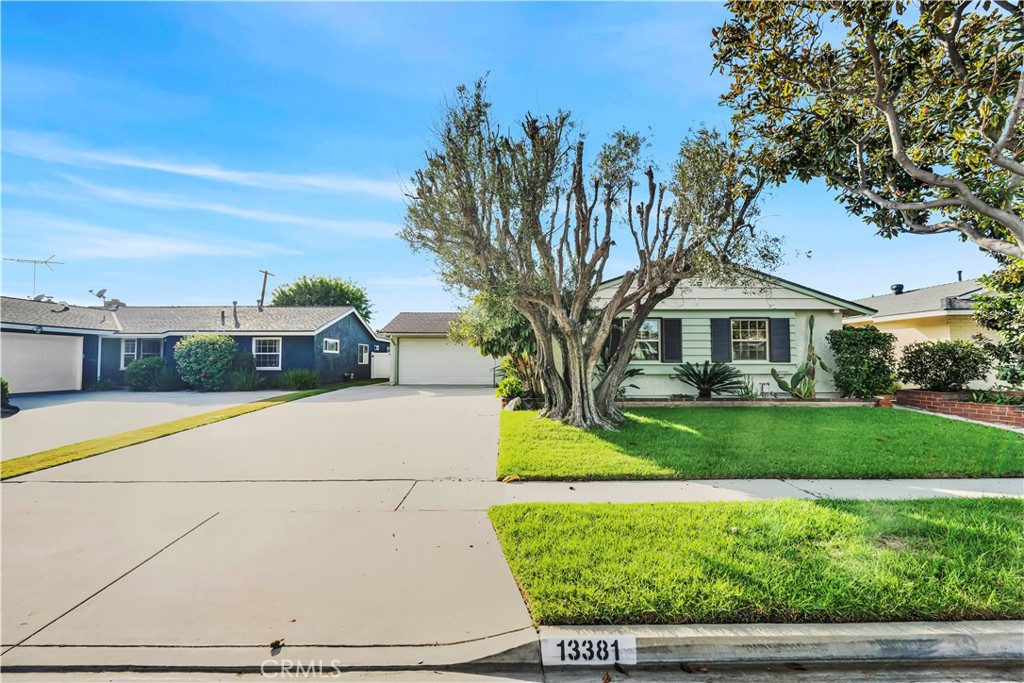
(101, 385)
(244, 380)
(865, 361)
(205, 359)
(166, 379)
(710, 378)
(5, 393)
(141, 373)
(510, 387)
(298, 380)
(1007, 359)
(943, 365)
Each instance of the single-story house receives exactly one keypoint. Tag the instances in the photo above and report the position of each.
(754, 330)
(422, 354)
(49, 346)
(939, 312)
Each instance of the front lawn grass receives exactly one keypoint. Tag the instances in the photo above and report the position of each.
(26, 464)
(771, 561)
(759, 442)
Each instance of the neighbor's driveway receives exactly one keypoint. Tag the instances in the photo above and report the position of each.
(50, 420)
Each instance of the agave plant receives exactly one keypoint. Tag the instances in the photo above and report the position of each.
(802, 383)
(710, 378)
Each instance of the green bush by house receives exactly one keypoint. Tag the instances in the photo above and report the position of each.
(141, 374)
(943, 365)
(204, 360)
(865, 361)
(298, 380)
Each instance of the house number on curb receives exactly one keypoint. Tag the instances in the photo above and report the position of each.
(582, 651)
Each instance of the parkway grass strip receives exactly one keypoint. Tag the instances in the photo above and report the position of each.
(776, 561)
(35, 462)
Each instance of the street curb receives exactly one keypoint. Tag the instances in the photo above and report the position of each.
(766, 643)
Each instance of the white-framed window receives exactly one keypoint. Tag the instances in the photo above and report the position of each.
(648, 340)
(750, 339)
(332, 346)
(266, 353)
(364, 354)
(132, 349)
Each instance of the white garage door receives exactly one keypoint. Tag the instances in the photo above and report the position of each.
(40, 362)
(437, 361)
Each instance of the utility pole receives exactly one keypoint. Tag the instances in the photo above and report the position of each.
(263, 292)
(49, 263)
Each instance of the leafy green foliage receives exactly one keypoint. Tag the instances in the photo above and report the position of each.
(913, 113)
(497, 329)
(775, 561)
(244, 380)
(509, 387)
(204, 360)
(317, 290)
(865, 361)
(802, 383)
(710, 378)
(1002, 307)
(5, 393)
(996, 397)
(298, 380)
(943, 365)
(758, 442)
(141, 373)
(166, 379)
(102, 384)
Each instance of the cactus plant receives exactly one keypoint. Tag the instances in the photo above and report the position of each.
(802, 383)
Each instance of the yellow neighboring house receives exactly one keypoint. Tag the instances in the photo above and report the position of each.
(926, 314)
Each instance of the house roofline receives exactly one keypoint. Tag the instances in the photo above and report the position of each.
(896, 317)
(53, 328)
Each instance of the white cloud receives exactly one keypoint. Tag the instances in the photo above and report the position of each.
(48, 148)
(80, 240)
(367, 228)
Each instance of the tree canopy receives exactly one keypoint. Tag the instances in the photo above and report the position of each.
(912, 111)
(524, 215)
(318, 290)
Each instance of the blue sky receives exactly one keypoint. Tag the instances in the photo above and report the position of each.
(167, 152)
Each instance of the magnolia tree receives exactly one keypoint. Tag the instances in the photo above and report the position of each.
(911, 110)
(524, 215)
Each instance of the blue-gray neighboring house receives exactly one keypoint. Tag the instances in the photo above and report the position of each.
(48, 346)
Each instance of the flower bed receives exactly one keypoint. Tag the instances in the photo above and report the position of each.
(958, 403)
(742, 403)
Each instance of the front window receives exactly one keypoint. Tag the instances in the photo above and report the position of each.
(648, 341)
(150, 347)
(266, 353)
(129, 347)
(364, 354)
(750, 339)
(132, 349)
(331, 345)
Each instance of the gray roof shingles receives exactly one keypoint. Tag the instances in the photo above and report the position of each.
(52, 314)
(924, 300)
(420, 323)
(167, 319)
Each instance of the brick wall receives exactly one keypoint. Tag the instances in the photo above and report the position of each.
(956, 403)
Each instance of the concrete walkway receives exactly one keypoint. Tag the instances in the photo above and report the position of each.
(348, 525)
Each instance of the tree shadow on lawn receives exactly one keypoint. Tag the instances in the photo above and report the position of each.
(795, 442)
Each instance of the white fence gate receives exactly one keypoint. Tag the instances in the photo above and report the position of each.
(380, 366)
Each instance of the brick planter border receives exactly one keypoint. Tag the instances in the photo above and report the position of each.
(957, 403)
(732, 403)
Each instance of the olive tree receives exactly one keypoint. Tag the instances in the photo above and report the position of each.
(523, 214)
(912, 111)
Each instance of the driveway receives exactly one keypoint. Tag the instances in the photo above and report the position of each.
(51, 420)
(201, 548)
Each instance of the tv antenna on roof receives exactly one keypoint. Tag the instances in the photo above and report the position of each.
(263, 293)
(49, 263)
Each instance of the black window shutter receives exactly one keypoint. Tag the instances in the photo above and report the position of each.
(778, 340)
(671, 340)
(615, 338)
(721, 340)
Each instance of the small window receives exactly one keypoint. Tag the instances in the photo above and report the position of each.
(750, 339)
(129, 348)
(332, 346)
(648, 340)
(150, 347)
(364, 354)
(266, 353)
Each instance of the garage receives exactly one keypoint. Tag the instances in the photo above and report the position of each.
(421, 353)
(41, 362)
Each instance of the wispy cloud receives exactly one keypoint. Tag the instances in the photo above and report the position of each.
(81, 240)
(51, 149)
(367, 228)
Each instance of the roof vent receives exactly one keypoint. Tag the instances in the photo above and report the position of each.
(897, 289)
(223, 319)
(959, 276)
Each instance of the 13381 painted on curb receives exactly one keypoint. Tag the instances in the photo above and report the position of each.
(588, 651)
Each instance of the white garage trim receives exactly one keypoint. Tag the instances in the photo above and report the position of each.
(423, 359)
(41, 362)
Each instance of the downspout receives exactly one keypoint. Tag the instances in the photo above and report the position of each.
(99, 356)
(394, 361)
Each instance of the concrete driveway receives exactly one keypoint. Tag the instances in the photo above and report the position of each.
(201, 548)
(51, 420)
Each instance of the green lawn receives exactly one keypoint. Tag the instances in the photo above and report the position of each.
(767, 561)
(759, 442)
